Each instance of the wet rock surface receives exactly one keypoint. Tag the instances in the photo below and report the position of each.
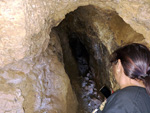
(88, 95)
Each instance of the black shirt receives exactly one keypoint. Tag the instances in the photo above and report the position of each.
(131, 99)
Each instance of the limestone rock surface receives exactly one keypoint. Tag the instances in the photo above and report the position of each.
(26, 24)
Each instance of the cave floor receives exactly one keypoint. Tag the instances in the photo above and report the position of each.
(86, 92)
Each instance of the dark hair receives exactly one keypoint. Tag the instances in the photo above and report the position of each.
(135, 59)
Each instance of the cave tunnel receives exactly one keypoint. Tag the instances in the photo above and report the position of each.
(87, 37)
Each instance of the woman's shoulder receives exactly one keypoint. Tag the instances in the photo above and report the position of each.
(127, 94)
(128, 100)
(125, 100)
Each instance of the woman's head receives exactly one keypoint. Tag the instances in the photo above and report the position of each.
(135, 60)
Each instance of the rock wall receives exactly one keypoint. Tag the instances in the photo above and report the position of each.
(37, 85)
(32, 77)
(26, 24)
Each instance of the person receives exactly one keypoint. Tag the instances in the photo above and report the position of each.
(131, 68)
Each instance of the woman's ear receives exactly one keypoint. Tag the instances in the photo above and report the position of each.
(119, 63)
(119, 66)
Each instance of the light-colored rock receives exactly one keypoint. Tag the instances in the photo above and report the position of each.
(11, 101)
(12, 31)
(43, 88)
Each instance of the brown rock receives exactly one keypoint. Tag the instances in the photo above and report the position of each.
(32, 65)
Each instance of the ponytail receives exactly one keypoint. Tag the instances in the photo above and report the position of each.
(146, 82)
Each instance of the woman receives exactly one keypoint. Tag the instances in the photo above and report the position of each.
(131, 68)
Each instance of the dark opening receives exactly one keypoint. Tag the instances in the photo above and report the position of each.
(80, 54)
(85, 58)
(87, 92)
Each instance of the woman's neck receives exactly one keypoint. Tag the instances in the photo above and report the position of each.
(132, 82)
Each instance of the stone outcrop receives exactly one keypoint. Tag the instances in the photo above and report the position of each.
(32, 75)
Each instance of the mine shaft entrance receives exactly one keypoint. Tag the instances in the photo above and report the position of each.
(88, 35)
(82, 69)
(85, 59)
